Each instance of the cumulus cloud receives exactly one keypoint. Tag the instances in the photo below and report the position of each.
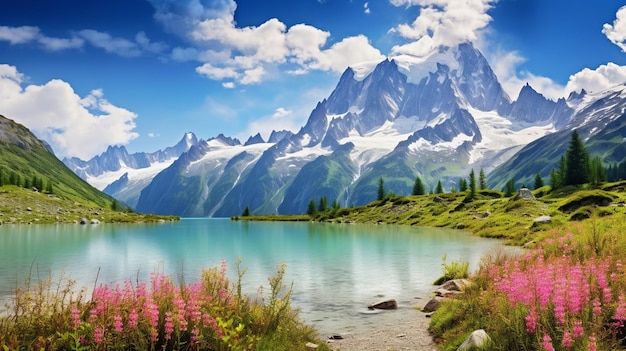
(441, 23)
(245, 55)
(616, 32)
(72, 125)
(601, 78)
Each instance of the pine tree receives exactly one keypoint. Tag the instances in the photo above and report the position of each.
(335, 206)
(509, 189)
(323, 207)
(472, 184)
(312, 209)
(597, 172)
(49, 187)
(482, 180)
(381, 189)
(576, 162)
(246, 212)
(439, 187)
(462, 184)
(538, 181)
(418, 187)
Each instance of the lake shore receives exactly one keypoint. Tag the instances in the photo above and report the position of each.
(409, 332)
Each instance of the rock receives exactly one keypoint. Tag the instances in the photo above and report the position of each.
(29, 209)
(525, 194)
(542, 220)
(476, 340)
(455, 285)
(433, 304)
(310, 345)
(389, 304)
(438, 199)
(83, 221)
(335, 337)
(95, 221)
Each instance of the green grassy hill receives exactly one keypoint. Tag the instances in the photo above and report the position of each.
(26, 164)
(489, 214)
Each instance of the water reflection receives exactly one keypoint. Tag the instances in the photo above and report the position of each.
(336, 269)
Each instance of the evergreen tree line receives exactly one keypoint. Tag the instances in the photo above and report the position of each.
(576, 167)
(13, 178)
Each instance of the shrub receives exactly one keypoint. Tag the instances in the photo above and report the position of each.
(453, 270)
(211, 314)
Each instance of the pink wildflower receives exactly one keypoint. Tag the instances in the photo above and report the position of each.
(597, 308)
(133, 318)
(169, 325)
(531, 321)
(117, 324)
(98, 335)
(578, 329)
(75, 317)
(547, 343)
(592, 346)
(567, 339)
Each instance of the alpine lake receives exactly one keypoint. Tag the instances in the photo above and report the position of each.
(335, 270)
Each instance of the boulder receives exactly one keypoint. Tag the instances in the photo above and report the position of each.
(542, 220)
(389, 304)
(438, 199)
(95, 221)
(455, 285)
(525, 194)
(310, 345)
(83, 221)
(433, 304)
(478, 339)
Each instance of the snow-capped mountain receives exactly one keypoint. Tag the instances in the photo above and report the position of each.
(435, 117)
(599, 119)
(123, 175)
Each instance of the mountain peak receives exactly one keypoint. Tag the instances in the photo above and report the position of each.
(256, 139)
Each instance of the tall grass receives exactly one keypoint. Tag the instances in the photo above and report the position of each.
(569, 293)
(211, 314)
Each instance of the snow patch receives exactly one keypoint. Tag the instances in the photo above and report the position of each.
(499, 133)
(416, 68)
(363, 69)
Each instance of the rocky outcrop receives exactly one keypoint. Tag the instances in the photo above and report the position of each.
(449, 289)
(525, 194)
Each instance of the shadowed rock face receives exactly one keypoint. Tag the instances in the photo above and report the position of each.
(389, 304)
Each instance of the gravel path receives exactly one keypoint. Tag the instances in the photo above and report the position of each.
(409, 332)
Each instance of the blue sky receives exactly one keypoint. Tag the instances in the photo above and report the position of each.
(86, 74)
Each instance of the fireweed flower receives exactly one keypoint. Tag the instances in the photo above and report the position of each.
(567, 340)
(98, 335)
(547, 343)
(117, 324)
(169, 325)
(75, 315)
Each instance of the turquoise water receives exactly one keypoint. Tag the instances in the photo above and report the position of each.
(336, 269)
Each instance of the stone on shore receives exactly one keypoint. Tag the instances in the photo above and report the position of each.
(479, 338)
(433, 304)
(389, 304)
(525, 194)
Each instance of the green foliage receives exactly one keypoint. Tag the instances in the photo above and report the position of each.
(246, 212)
(576, 162)
(462, 184)
(453, 270)
(538, 182)
(312, 209)
(472, 184)
(323, 206)
(418, 187)
(439, 189)
(509, 189)
(381, 189)
(211, 314)
(482, 179)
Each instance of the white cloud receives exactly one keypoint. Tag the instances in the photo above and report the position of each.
(442, 23)
(616, 32)
(105, 41)
(601, 78)
(281, 119)
(72, 125)
(366, 8)
(246, 55)
(18, 35)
